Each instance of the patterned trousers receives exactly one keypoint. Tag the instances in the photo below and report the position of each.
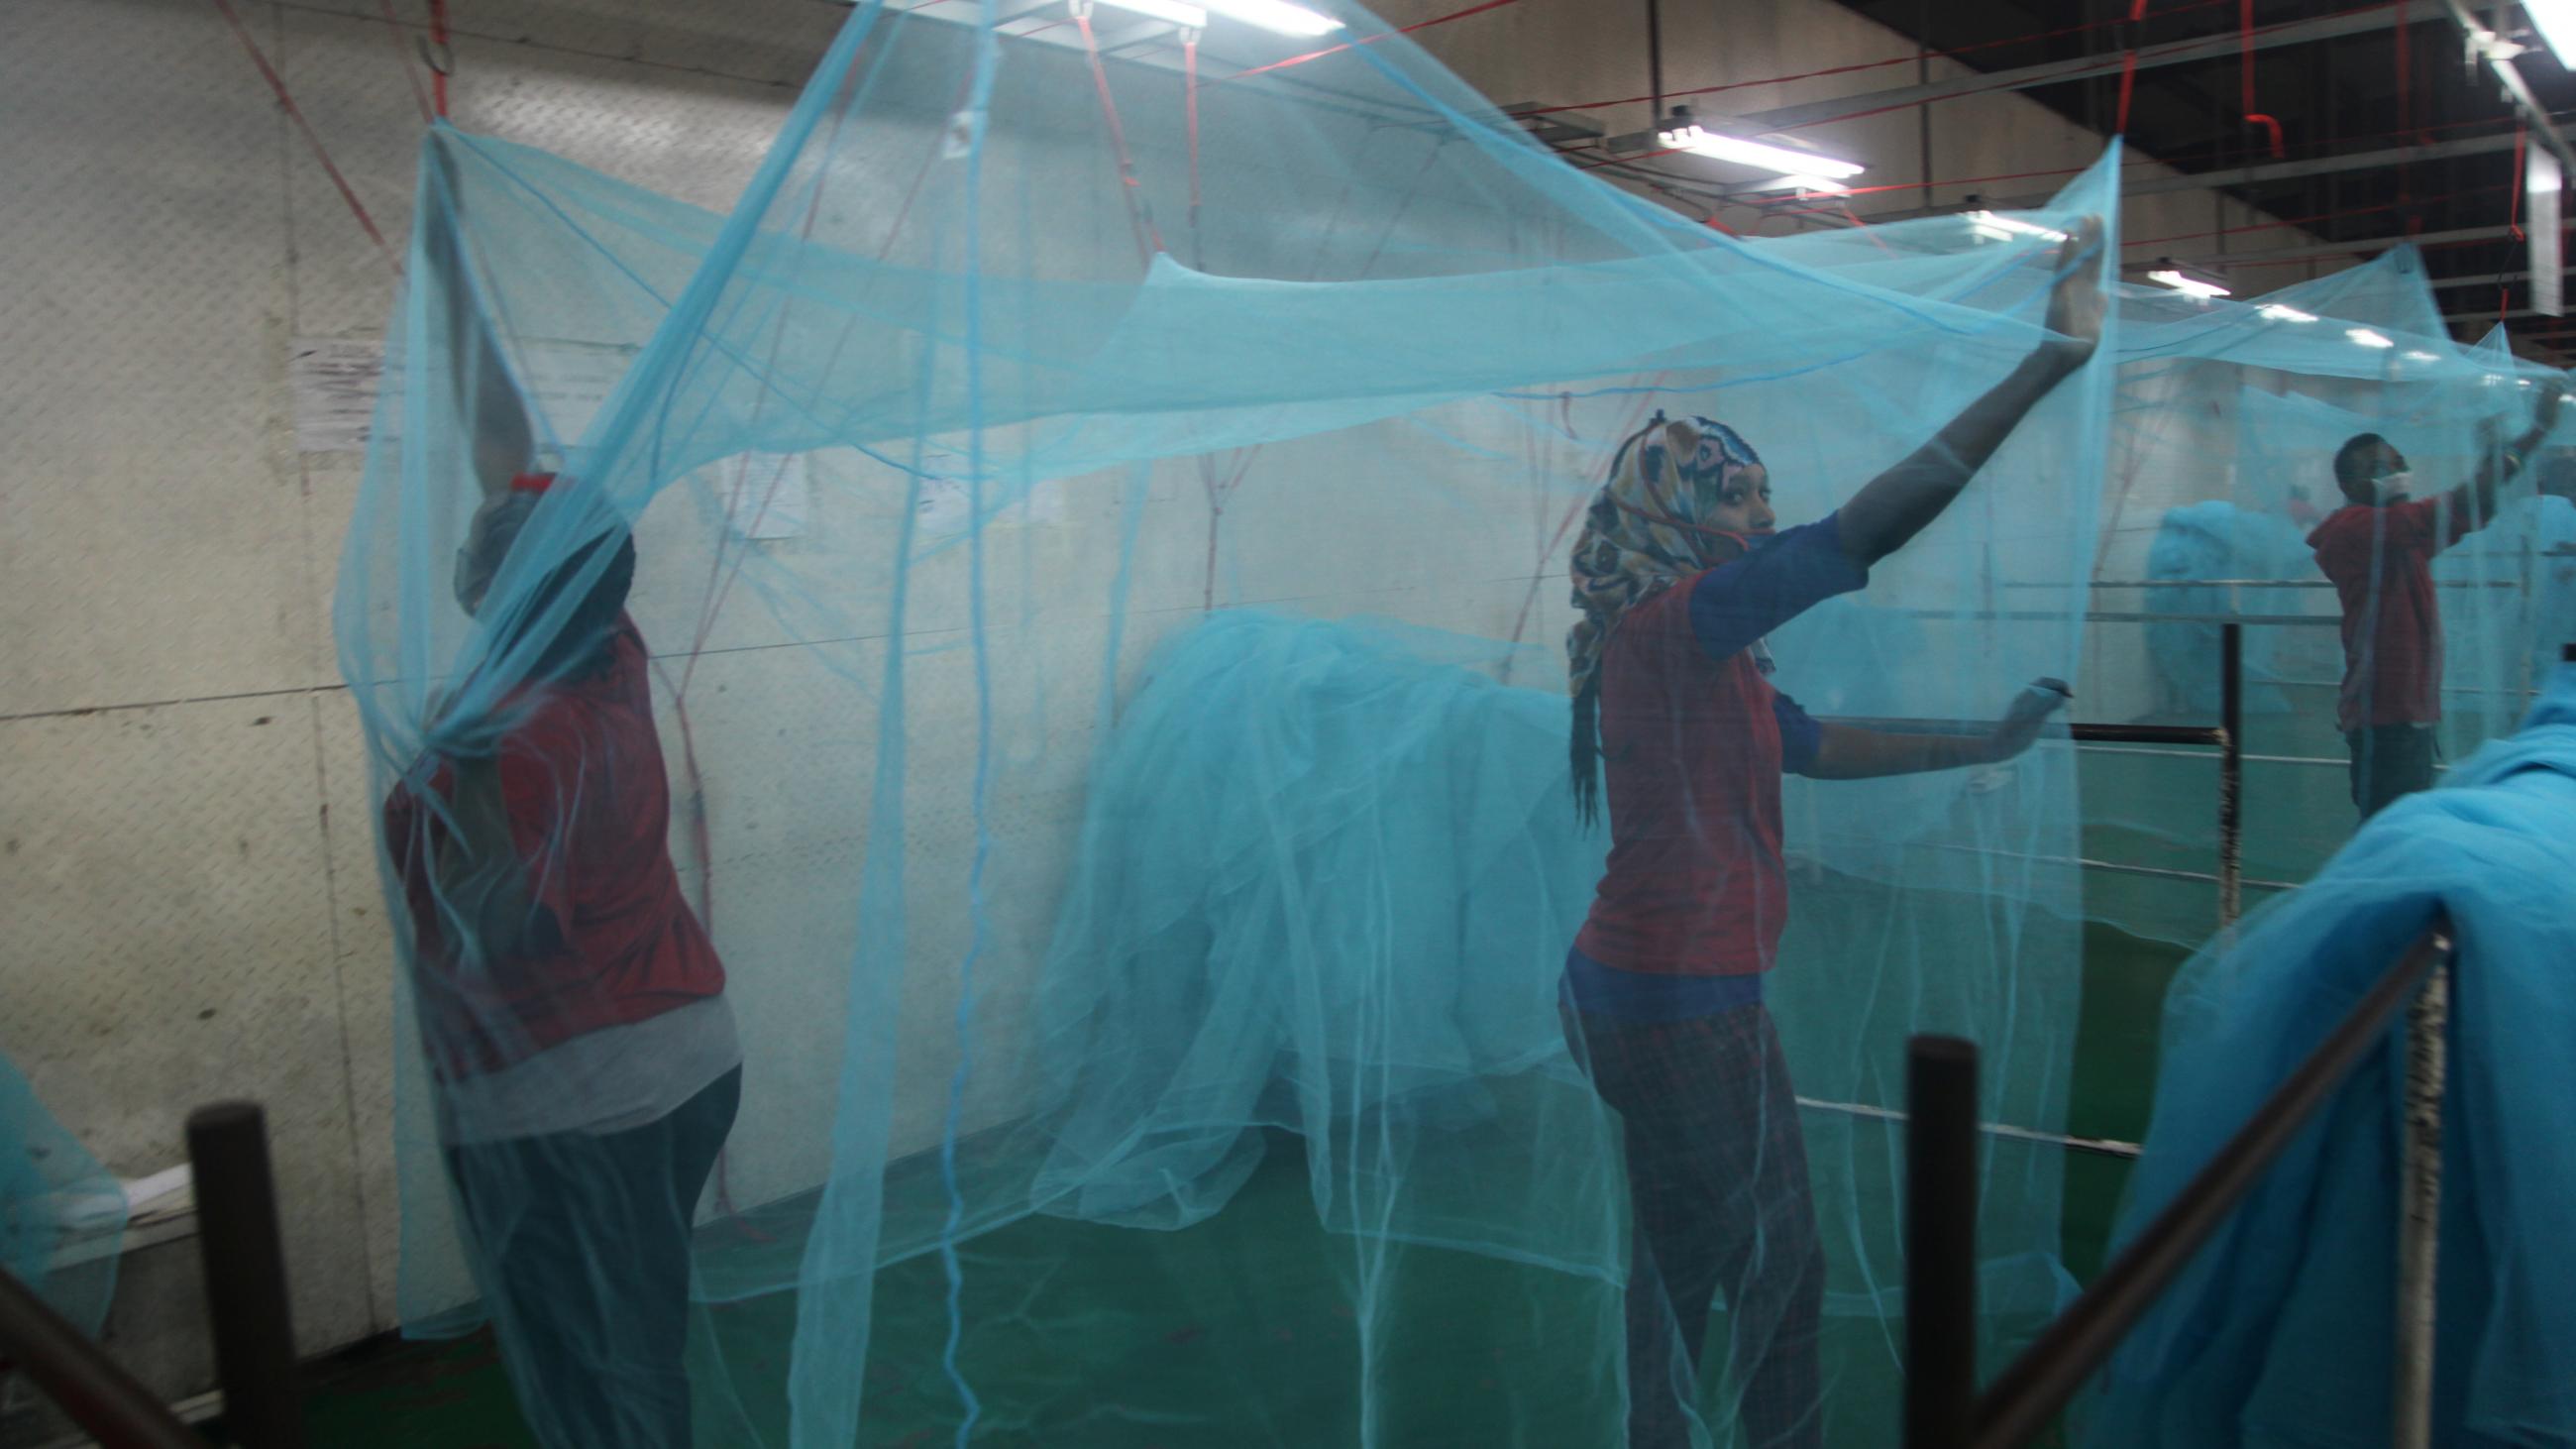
(1718, 1190)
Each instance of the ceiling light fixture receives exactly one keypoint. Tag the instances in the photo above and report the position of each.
(2556, 22)
(2167, 273)
(1684, 134)
(1276, 15)
(1188, 17)
(1996, 226)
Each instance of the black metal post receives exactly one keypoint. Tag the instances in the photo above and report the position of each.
(1940, 1242)
(2231, 773)
(245, 1265)
(2567, 653)
(1655, 62)
(67, 1368)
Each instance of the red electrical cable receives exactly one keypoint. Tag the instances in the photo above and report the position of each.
(312, 138)
(2126, 81)
(395, 33)
(446, 56)
(1190, 102)
(2129, 70)
(2513, 217)
(1148, 240)
(2245, 69)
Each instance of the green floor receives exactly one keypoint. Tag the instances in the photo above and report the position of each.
(1235, 1332)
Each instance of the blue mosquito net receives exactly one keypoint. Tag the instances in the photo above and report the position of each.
(2291, 1307)
(2222, 472)
(62, 1215)
(994, 764)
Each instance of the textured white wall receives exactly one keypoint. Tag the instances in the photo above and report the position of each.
(187, 886)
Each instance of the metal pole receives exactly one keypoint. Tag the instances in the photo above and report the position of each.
(1940, 1242)
(2231, 773)
(245, 1267)
(1655, 63)
(2419, 1222)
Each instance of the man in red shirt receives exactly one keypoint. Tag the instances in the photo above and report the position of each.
(585, 1064)
(2378, 551)
(1678, 575)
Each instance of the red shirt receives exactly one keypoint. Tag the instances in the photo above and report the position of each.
(589, 807)
(1690, 749)
(2380, 561)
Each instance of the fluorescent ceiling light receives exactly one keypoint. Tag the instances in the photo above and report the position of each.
(1276, 15)
(2421, 357)
(1782, 159)
(1800, 183)
(2556, 22)
(2279, 313)
(1190, 17)
(2189, 286)
(2367, 338)
(1995, 226)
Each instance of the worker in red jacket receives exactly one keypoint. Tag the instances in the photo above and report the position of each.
(2378, 551)
(584, 1059)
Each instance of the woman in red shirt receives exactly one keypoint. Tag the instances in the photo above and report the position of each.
(1679, 575)
(584, 1060)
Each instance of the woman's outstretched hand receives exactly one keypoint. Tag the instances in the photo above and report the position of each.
(2075, 307)
(2021, 723)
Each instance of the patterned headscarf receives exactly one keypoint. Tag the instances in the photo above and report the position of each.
(1643, 535)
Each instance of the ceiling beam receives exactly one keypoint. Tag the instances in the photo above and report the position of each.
(2481, 279)
(2245, 175)
(2482, 43)
(2364, 246)
(2180, 52)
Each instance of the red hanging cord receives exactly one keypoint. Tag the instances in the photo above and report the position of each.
(1148, 240)
(2513, 215)
(1190, 94)
(438, 71)
(2129, 70)
(2245, 69)
(399, 38)
(312, 138)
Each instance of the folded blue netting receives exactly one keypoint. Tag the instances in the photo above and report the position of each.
(2212, 541)
(2281, 1331)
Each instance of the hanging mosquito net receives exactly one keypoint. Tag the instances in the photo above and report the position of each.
(2224, 506)
(1107, 771)
(62, 1215)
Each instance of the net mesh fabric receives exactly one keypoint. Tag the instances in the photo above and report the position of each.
(2229, 419)
(62, 1215)
(1099, 522)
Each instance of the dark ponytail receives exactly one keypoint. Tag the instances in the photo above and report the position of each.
(1587, 753)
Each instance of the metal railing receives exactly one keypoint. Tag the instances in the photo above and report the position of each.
(2227, 736)
(1943, 1408)
(245, 1273)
